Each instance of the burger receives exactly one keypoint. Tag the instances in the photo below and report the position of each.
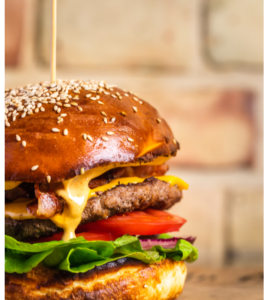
(86, 195)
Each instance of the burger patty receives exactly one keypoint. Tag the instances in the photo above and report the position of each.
(152, 193)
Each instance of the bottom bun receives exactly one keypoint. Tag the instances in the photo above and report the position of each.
(123, 279)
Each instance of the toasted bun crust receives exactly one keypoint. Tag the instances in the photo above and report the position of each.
(123, 279)
(137, 133)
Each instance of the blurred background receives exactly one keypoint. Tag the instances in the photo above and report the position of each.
(200, 62)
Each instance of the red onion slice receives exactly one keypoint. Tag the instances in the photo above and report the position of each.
(147, 244)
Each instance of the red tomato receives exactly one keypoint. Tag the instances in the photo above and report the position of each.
(146, 222)
(89, 236)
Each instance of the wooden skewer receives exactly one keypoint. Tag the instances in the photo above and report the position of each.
(53, 61)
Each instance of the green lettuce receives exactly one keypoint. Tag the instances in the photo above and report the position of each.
(79, 255)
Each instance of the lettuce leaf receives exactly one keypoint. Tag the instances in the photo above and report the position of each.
(79, 255)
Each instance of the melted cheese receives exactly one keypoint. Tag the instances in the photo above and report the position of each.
(18, 209)
(76, 193)
(9, 185)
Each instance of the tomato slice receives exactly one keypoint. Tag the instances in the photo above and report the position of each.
(89, 236)
(148, 222)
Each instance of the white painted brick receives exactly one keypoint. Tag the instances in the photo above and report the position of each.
(203, 208)
(245, 226)
(120, 33)
(234, 32)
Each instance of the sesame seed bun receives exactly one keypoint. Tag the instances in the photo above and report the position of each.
(123, 279)
(58, 131)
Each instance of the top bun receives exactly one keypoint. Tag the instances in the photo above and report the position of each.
(58, 129)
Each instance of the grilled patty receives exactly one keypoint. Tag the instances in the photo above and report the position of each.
(152, 193)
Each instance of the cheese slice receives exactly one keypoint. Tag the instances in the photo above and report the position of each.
(172, 180)
(9, 185)
(18, 209)
(76, 192)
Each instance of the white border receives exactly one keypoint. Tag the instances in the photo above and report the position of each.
(2, 150)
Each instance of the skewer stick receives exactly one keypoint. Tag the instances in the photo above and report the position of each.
(53, 61)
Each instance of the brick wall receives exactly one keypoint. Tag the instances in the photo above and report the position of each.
(200, 63)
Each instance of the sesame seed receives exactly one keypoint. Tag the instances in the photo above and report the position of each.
(135, 98)
(104, 138)
(65, 132)
(123, 113)
(29, 99)
(79, 108)
(34, 168)
(63, 115)
(130, 140)
(89, 138)
(175, 141)
(74, 104)
(134, 109)
(84, 135)
(104, 114)
(24, 144)
(54, 95)
(93, 98)
(49, 178)
(100, 102)
(105, 120)
(110, 133)
(18, 138)
(55, 130)
(82, 171)
(113, 120)
(158, 120)
(126, 95)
